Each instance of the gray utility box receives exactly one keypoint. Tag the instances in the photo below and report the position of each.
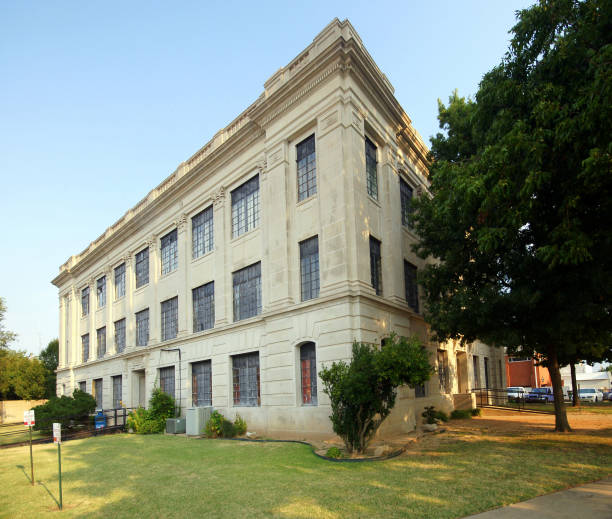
(196, 420)
(175, 425)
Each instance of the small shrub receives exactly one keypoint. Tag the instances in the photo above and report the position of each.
(66, 410)
(430, 415)
(461, 414)
(227, 429)
(442, 416)
(475, 412)
(152, 420)
(334, 452)
(161, 405)
(240, 425)
(214, 426)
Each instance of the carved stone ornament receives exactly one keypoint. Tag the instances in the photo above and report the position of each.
(127, 259)
(262, 168)
(181, 222)
(219, 196)
(151, 241)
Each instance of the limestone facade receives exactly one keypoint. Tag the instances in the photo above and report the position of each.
(358, 151)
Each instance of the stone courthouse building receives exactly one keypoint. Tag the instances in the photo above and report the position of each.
(264, 256)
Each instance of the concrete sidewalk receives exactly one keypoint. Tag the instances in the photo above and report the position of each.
(592, 501)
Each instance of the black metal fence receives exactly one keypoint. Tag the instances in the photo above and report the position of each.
(499, 397)
(106, 421)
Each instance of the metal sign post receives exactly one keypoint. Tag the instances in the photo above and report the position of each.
(29, 421)
(57, 438)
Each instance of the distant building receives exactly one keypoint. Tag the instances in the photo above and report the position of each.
(525, 372)
(586, 378)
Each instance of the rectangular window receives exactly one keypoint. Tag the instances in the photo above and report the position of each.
(245, 374)
(97, 389)
(169, 252)
(443, 371)
(142, 267)
(85, 301)
(142, 328)
(309, 268)
(412, 291)
(85, 347)
(120, 335)
(83, 386)
(376, 265)
(202, 233)
(101, 341)
(169, 319)
(306, 168)
(486, 371)
(245, 207)
(308, 372)
(476, 366)
(371, 169)
(117, 389)
(166, 380)
(420, 391)
(120, 281)
(101, 291)
(406, 199)
(201, 384)
(247, 292)
(204, 307)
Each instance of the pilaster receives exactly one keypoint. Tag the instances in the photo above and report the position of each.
(222, 232)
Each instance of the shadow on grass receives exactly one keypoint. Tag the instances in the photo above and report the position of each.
(42, 484)
(24, 473)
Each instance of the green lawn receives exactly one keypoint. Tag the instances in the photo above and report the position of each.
(16, 433)
(448, 475)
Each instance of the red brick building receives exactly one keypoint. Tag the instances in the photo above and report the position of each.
(525, 372)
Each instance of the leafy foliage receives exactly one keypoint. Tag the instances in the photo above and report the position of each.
(240, 425)
(21, 377)
(220, 427)
(461, 414)
(49, 357)
(6, 337)
(430, 414)
(334, 452)
(520, 195)
(152, 420)
(69, 411)
(363, 392)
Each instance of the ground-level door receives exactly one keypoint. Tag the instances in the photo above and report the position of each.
(139, 397)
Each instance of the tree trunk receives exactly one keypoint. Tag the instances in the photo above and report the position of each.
(575, 395)
(561, 423)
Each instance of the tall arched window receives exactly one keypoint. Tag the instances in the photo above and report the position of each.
(308, 372)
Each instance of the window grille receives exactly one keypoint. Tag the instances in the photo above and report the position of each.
(371, 169)
(406, 199)
(101, 341)
(97, 387)
(412, 291)
(376, 265)
(202, 233)
(169, 252)
(169, 319)
(166, 380)
(306, 168)
(309, 268)
(85, 301)
(308, 370)
(142, 328)
(83, 386)
(245, 371)
(120, 281)
(247, 292)
(142, 267)
(420, 391)
(101, 291)
(245, 207)
(201, 383)
(486, 372)
(204, 307)
(117, 389)
(443, 372)
(85, 347)
(120, 335)
(476, 367)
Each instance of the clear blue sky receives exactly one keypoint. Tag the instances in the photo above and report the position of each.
(100, 101)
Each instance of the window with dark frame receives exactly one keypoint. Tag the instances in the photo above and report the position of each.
(120, 335)
(476, 369)
(444, 372)
(204, 307)
(406, 200)
(101, 341)
(306, 168)
(371, 168)
(201, 383)
(85, 347)
(85, 302)
(245, 207)
(308, 372)
(83, 386)
(117, 389)
(247, 292)
(142, 327)
(169, 319)
(101, 291)
(202, 233)
(166, 380)
(412, 289)
(420, 391)
(120, 281)
(486, 372)
(97, 389)
(169, 252)
(245, 377)
(376, 265)
(141, 267)
(309, 268)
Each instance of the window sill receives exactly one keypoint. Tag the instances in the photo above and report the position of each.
(244, 234)
(306, 201)
(167, 274)
(374, 200)
(203, 256)
(410, 232)
(246, 405)
(141, 288)
(119, 299)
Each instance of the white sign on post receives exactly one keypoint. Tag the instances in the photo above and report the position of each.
(28, 418)
(57, 433)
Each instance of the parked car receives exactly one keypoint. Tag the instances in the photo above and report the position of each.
(540, 394)
(516, 393)
(591, 395)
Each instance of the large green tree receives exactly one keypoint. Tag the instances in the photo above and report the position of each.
(6, 337)
(50, 359)
(520, 203)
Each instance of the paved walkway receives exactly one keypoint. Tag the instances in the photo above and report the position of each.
(592, 501)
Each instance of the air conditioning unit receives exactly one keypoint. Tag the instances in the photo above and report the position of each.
(196, 420)
(175, 425)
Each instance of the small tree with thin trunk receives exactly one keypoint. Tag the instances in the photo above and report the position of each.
(363, 392)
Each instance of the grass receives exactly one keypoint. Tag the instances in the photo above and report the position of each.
(17, 433)
(585, 407)
(446, 476)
